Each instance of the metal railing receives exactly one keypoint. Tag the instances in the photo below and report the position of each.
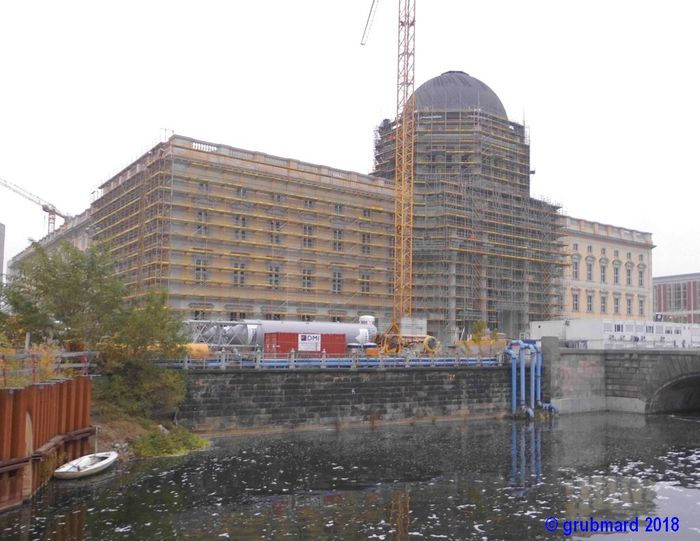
(294, 361)
(22, 369)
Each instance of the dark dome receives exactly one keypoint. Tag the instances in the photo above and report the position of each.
(455, 90)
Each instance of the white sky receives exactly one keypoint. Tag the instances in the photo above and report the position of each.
(609, 89)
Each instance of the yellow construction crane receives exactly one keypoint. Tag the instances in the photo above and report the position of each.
(50, 209)
(403, 187)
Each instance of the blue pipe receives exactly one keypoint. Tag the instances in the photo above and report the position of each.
(522, 375)
(513, 379)
(533, 362)
(514, 373)
(539, 376)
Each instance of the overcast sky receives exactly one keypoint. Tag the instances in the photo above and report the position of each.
(609, 90)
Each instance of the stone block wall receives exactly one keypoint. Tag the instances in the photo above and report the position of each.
(219, 401)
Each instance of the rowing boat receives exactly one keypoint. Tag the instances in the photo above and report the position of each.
(86, 465)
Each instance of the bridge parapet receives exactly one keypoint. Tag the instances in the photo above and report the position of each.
(640, 381)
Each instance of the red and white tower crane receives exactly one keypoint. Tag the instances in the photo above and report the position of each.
(47, 207)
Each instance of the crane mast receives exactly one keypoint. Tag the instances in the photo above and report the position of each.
(403, 201)
(47, 207)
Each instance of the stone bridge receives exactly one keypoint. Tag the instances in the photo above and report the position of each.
(642, 381)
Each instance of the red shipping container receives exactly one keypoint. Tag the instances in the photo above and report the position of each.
(333, 344)
(306, 344)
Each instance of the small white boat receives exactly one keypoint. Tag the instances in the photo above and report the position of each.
(86, 465)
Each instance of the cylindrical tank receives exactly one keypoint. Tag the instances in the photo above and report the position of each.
(252, 331)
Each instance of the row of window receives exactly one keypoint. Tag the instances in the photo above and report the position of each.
(237, 316)
(242, 192)
(603, 251)
(308, 240)
(604, 274)
(576, 304)
(274, 277)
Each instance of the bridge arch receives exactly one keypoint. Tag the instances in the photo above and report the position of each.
(681, 393)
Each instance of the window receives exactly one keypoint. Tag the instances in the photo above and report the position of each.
(273, 276)
(589, 271)
(616, 276)
(201, 225)
(203, 186)
(574, 270)
(641, 307)
(337, 282)
(307, 279)
(366, 213)
(238, 274)
(365, 243)
(575, 246)
(629, 255)
(619, 327)
(603, 274)
(338, 208)
(336, 319)
(276, 198)
(602, 251)
(603, 305)
(641, 278)
(616, 253)
(309, 203)
(241, 191)
(337, 240)
(239, 224)
(307, 317)
(616, 305)
(641, 257)
(274, 317)
(308, 241)
(628, 276)
(574, 302)
(200, 269)
(236, 316)
(364, 282)
(275, 228)
(590, 249)
(629, 307)
(199, 314)
(589, 303)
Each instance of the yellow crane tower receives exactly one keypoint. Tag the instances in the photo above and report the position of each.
(403, 186)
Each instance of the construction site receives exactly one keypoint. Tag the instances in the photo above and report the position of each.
(443, 234)
(483, 249)
(233, 234)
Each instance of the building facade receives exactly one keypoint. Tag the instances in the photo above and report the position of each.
(483, 248)
(234, 234)
(76, 230)
(677, 298)
(608, 272)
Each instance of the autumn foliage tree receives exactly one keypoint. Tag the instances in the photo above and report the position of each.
(70, 297)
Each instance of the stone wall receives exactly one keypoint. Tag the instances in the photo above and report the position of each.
(574, 378)
(219, 401)
(636, 381)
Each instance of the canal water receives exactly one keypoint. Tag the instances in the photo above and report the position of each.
(482, 480)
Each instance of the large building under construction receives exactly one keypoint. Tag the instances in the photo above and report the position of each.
(483, 248)
(234, 234)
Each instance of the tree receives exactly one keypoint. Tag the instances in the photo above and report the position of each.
(478, 329)
(64, 295)
(69, 296)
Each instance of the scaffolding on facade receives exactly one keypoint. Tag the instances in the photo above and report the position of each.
(483, 248)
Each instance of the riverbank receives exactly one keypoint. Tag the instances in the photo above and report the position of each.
(138, 437)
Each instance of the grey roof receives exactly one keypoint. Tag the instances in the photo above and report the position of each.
(455, 90)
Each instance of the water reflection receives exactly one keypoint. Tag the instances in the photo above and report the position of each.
(494, 480)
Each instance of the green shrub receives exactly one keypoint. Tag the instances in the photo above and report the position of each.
(178, 441)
